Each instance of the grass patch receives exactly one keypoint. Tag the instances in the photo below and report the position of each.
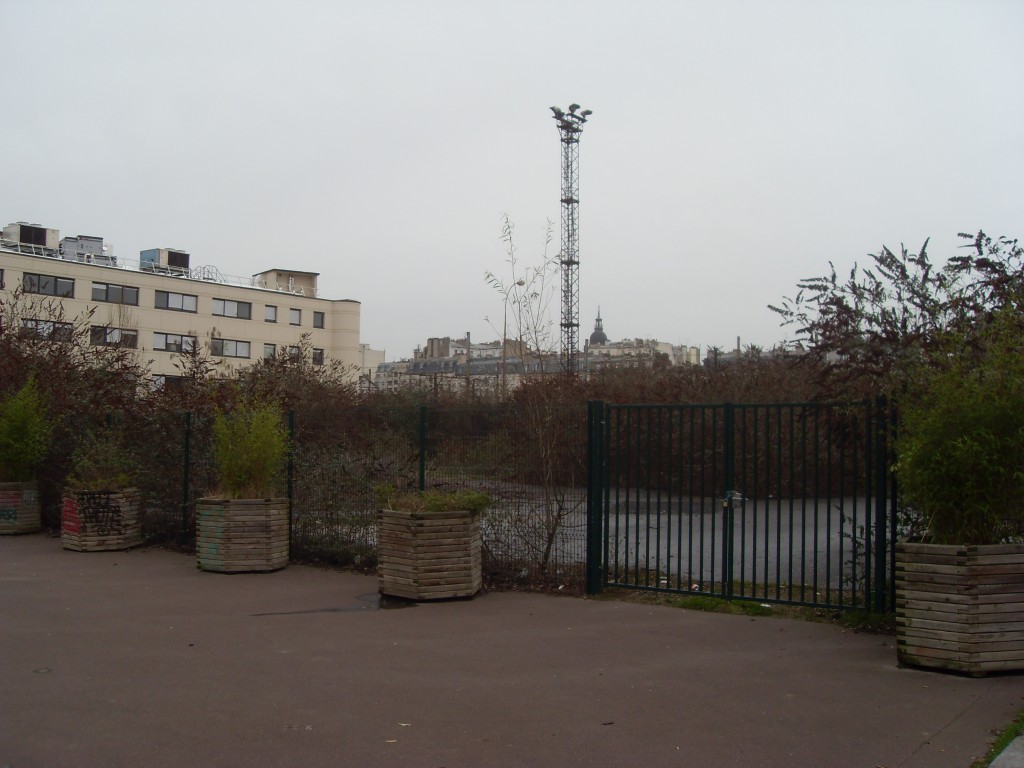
(706, 603)
(1002, 741)
(854, 619)
(700, 603)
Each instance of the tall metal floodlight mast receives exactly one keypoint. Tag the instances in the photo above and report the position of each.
(570, 126)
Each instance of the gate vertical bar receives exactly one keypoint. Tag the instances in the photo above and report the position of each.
(595, 486)
(614, 469)
(645, 477)
(881, 502)
(727, 499)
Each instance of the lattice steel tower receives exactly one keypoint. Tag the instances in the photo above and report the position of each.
(570, 127)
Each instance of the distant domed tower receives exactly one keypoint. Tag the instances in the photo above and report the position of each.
(598, 336)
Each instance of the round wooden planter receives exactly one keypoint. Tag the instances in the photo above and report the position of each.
(428, 555)
(241, 535)
(960, 608)
(100, 521)
(19, 508)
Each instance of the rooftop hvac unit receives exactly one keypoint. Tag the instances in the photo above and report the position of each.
(88, 250)
(166, 261)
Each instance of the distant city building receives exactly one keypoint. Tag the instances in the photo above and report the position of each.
(718, 356)
(599, 353)
(450, 364)
(369, 361)
(598, 337)
(162, 306)
(444, 363)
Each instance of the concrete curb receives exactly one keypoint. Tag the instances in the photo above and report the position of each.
(1012, 756)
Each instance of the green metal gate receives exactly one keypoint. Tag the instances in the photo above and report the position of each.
(779, 503)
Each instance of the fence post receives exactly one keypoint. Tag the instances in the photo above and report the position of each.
(182, 534)
(727, 510)
(893, 504)
(881, 502)
(291, 474)
(423, 447)
(595, 486)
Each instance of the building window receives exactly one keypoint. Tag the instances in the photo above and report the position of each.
(103, 336)
(173, 342)
(294, 353)
(318, 356)
(226, 308)
(2, 284)
(48, 329)
(180, 302)
(229, 348)
(169, 383)
(47, 285)
(318, 319)
(269, 350)
(295, 316)
(115, 294)
(270, 314)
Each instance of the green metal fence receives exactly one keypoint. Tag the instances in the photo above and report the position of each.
(779, 503)
(530, 458)
(788, 503)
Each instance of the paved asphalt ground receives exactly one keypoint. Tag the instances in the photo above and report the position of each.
(138, 659)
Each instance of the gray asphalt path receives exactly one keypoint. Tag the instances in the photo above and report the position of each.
(138, 659)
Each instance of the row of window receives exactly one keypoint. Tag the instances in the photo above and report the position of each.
(64, 287)
(233, 348)
(105, 336)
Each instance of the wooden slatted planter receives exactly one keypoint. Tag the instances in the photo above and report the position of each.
(19, 508)
(429, 555)
(100, 521)
(241, 535)
(960, 608)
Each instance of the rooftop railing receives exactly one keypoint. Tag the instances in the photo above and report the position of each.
(207, 272)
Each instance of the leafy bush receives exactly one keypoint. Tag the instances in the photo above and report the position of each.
(249, 448)
(25, 433)
(961, 447)
(867, 332)
(434, 501)
(101, 462)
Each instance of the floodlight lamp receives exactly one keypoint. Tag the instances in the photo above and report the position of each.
(587, 112)
(573, 107)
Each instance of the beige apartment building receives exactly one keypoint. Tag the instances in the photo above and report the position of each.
(162, 305)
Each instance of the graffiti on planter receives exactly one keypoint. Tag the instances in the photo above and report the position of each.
(9, 503)
(69, 516)
(94, 511)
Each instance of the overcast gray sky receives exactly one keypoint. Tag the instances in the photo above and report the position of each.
(735, 147)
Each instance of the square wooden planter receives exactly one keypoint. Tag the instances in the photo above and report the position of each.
(241, 535)
(19, 508)
(429, 555)
(100, 521)
(960, 608)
